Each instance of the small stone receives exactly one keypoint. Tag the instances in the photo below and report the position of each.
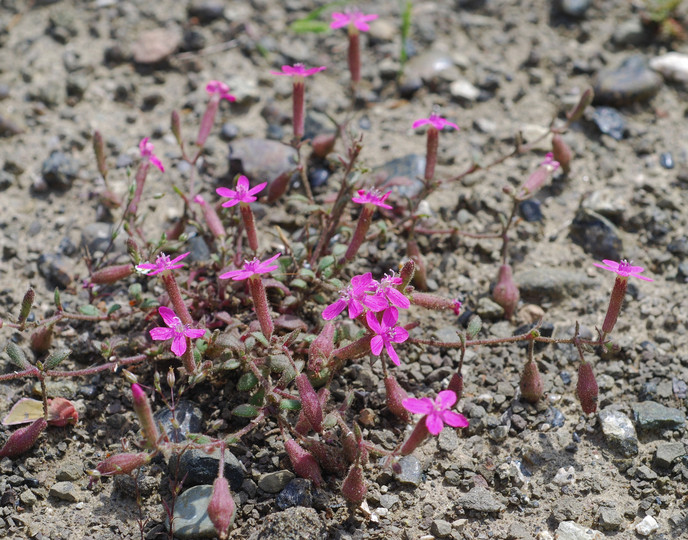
(464, 90)
(199, 248)
(489, 309)
(206, 11)
(647, 526)
(55, 269)
(261, 159)
(645, 473)
(609, 519)
(596, 235)
(631, 82)
(60, 170)
(610, 122)
(296, 523)
(388, 500)
(296, 493)
(673, 66)
(401, 175)
(155, 45)
(65, 491)
(28, 498)
(318, 176)
(199, 467)
(70, 472)
(530, 210)
(630, 32)
(411, 471)
(541, 284)
(517, 531)
(441, 528)
(6, 180)
(229, 131)
(96, 238)
(650, 415)
(570, 530)
(668, 453)
(189, 418)
(619, 432)
(430, 68)
(480, 499)
(666, 160)
(574, 8)
(191, 519)
(448, 440)
(275, 482)
(566, 476)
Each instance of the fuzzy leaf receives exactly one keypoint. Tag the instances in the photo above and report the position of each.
(246, 411)
(290, 405)
(248, 381)
(231, 364)
(299, 283)
(258, 398)
(261, 338)
(113, 308)
(89, 310)
(56, 358)
(474, 326)
(17, 356)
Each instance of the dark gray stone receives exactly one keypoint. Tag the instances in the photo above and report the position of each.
(296, 493)
(668, 453)
(633, 81)
(401, 175)
(574, 8)
(54, 268)
(609, 519)
(60, 170)
(276, 481)
(540, 284)
(650, 415)
(189, 419)
(206, 10)
(596, 235)
(440, 528)
(619, 432)
(610, 122)
(199, 467)
(296, 523)
(480, 499)
(261, 160)
(411, 471)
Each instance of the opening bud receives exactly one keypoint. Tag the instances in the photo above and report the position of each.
(321, 348)
(122, 463)
(561, 152)
(505, 292)
(310, 404)
(111, 274)
(323, 144)
(144, 413)
(23, 439)
(41, 339)
(420, 276)
(531, 385)
(354, 487)
(395, 396)
(221, 508)
(303, 462)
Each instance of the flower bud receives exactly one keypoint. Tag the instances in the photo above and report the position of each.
(615, 302)
(27, 303)
(354, 487)
(303, 426)
(133, 250)
(586, 99)
(61, 412)
(330, 458)
(279, 185)
(145, 415)
(406, 274)
(99, 151)
(586, 388)
(41, 338)
(303, 462)
(122, 463)
(418, 435)
(538, 178)
(176, 126)
(310, 404)
(531, 385)
(221, 508)
(395, 396)
(456, 385)
(420, 276)
(111, 274)
(505, 292)
(436, 302)
(212, 220)
(321, 348)
(323, 143)
(23, 439)
(354, 447)
(561, 152)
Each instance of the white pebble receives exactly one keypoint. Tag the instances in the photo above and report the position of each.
(647, 526)
(673, 65)
(565, 476)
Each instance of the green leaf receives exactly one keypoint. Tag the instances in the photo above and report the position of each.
(258, 398)
(89, 310)
(149, 303)
(474, 326)
(306, 273)
(247, 382)
(330, 421)
(260, 337)
(246, 411)
(290, 405)
(304, 26)
(326, 262)
(231, 364)
(113, 308)
(17, 356)
(58, 301)
(56, 358)
(298, 284)
(199, 438)
(135, 291)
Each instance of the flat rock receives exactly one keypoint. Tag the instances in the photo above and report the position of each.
(538, 284)
(261, 160)
(296, 493)
(610, 122)
(596, 235)
(296, 523)
(401, 175)
(59, 170)
(619, 432)
(65, 491)
(570, 530)
(631, 82)
(155, 45)
(411, 471)
(198, 467)
(609, 519)
(673, 66)
(191, 519)
(275, 482)
(668, 453)
(189, 419)
(480, 499)
(650, 415)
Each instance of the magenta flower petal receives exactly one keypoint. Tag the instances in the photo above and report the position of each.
(176, 330)
(162, 264)
(298, 70)
(435, 121)
(374, 323)
(179, 344)
(146, 149)
(376, 345)
(355, 308)
(168, 316)
(445, 399)
(375, 302)
(257, 189)
(434, 423)
(623, 269)
(390, 317)
(225, 192)
(354, 18)
(399, 334)
(242, 184)
(339, 20)
(194, 333)
(392, 353)
(161, 334)
(331, 311)
(418, 406)
(454, 419)
(438, 412)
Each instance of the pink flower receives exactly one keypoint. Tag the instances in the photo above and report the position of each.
(219, 88)
(387, 289)
(146, 149)
(354, 18)
(372, 197)
(356, 297)
(437, 413)
(298, 70)
(435, 121)
(550, 163)
(456, 306)
(252, 268)
(243, 193)
(177, 331)
(161, 264)
(623, 269)
(387, 333)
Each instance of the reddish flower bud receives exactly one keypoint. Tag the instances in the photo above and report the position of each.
(353, 350)
(323, 143)
(433, 301)
(420, 280)
(431, 152)
(330, 458)
(145, 415)
(354, 487)
(122, 463)
(279, 185)
(406, 274)
(41, 338)
(99, 151)
(310, 404)
(586, 389)
(586, 99)
(321, 348)
(538, 178)
(505, 292)
(395, 396)
(23, 439)
(456, 386)
(221, 508)
(111, 274)
(531, 385)
(176, 127)
(303, 426)
(303, 462)
(561, 152)
(418, 435)
(354, 447)
(615, 302)
(212, 220)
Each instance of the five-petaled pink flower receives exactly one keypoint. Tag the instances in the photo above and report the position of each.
(161, 264)
(387, 289)
(549, 162)
(437, 413)
(251, 268)
(623, 269)
(356, 298)
(176, 330)
(219, 88)
(146, 149)
(386, 333)
(243, 193)
(298, 70)
(435, 121)
(353, 18)
(372, 197)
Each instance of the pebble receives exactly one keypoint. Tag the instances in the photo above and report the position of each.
(489, 309)
(429, 69)
(480, 499)
(630, 32)
(673, 66)
(297, 523)
(296, 493)
(318, 176)
(609, 519)
(596, 235)
(199, 467)
(464, 90)
(647, 526)
(198, 247)
(570, 530)
(191, 519)
(28, 498)
(411, 471)
(274, 482)
(610, 122)
(95, 237)
(59, 170)
(530, 210)
(667, 453)
(619, 432)
(574, 8)
(189, 420)
(539, 284)
(401, 175)
(260, 159)
(448, 440)
(6, 180)
(566, 476)
(70, 472)
(153, 46)
(206, 11)
(441, 528)
(650, 415)
(229, 131)
(65, 491)
(54, 268)
(631, 82)
(666, 160)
